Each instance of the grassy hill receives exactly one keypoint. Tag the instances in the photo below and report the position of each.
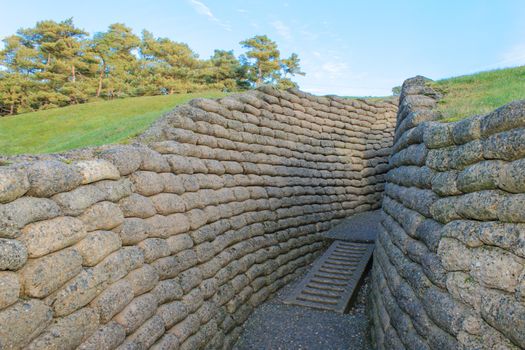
(117, 121)
(89, 124)
(480, 93)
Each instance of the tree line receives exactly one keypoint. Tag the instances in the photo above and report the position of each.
(56, 64)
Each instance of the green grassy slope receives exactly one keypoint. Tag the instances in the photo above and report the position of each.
(480, 93)
(90, 124)
(117, 121)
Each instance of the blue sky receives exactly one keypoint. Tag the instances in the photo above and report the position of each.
(346, 47)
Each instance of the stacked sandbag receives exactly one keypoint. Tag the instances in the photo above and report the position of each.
(172, 241)
(449, 265)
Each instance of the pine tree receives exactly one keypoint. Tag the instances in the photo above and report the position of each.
(226, 71)
(115, 51)
(289, 67)
(262, 59)
(15, 93)
(174, 65)
(55, 64)
(17, 86)
(59, 46)
(265, 66)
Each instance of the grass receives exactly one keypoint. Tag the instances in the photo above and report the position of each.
(105, 122)
(89, 124)
(479, 93)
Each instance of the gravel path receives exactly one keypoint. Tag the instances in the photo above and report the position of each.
(277, 326)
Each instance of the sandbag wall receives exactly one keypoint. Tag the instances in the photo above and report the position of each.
(449, 263)
(171, 242)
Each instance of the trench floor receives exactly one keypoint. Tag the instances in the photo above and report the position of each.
(275, 325)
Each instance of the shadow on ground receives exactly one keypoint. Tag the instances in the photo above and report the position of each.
(361, 227)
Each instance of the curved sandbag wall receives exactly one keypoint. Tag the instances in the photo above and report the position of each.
(172, 241)
(449, 262)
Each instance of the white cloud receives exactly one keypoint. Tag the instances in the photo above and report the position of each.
(344, 90)
(282, 29)
(334, 67)
(204, 10)
(241, 10)
(330, 75)
(514, 56)
(308, 35)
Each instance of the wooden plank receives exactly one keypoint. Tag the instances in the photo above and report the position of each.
(334, 277)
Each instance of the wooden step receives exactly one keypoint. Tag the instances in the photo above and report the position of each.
(333, 279)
